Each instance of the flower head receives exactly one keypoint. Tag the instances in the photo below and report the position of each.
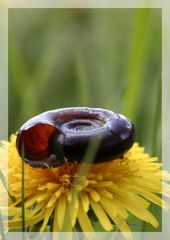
(3, 174)
(112, 190)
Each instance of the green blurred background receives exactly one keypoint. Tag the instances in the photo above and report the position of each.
(109, 58)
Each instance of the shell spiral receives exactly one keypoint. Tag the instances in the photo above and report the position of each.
(53, 136)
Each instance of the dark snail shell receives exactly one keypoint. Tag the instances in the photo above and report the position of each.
(53, 136)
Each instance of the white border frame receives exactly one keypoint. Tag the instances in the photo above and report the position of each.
(165, 6)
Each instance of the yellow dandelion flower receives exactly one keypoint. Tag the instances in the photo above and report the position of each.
(112, 190)
(3, 175)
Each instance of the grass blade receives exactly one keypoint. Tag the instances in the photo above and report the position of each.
(2, 178)
(157, 119)
(23, 195)
(137, 62)
(1, 228)
(82, 84)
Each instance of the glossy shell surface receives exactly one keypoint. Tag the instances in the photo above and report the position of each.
(50, 138)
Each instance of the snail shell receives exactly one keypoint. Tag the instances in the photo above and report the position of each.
(53, 136)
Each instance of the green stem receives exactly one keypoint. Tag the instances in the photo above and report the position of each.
(22, 195)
